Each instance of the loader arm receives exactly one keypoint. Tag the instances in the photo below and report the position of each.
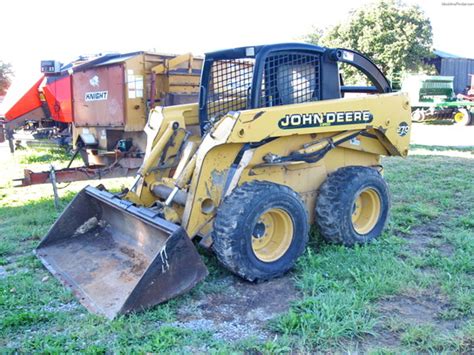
(330, 116)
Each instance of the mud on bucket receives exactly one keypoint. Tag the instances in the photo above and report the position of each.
(117, 257)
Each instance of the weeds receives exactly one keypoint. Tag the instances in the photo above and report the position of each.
(426, 249)
(44, 156)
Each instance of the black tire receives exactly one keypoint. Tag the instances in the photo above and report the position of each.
(337, 199)
(238, 218)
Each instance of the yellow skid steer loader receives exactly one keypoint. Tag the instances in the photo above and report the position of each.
(274, 145)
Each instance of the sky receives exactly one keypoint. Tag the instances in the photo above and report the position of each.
(35, 30)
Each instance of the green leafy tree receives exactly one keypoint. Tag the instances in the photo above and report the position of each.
(5, 75)
(397, 37)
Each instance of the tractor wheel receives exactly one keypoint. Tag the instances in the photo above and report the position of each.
(260, 230)
(418, 115)
(352, 206)
(462, 117)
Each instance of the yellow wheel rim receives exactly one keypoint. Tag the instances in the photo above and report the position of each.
(458, 117)
(366, 211)
(272, 235)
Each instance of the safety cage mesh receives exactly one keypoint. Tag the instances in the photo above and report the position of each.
(290, 78)
(229, 86)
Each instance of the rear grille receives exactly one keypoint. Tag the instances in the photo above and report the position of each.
(290, 78)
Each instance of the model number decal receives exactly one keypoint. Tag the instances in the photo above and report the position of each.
(403, 129)
(96, 95)
(305, 120)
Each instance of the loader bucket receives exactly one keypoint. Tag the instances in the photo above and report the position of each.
(117, 257)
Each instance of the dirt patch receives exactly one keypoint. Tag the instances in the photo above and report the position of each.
(137, 262)
(419, 243)
(382, 339)
(3, 272)
(446, 250)
(13, 266)
(62, 307)
(423, 236)
(241, 310)
(401, 311)
(421, 309)
(417, 307)
(30, 238)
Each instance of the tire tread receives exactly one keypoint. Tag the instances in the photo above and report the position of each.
(230, 213)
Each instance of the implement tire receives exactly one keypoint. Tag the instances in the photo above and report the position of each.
(260, 230)
(463, 117)
(352, 206)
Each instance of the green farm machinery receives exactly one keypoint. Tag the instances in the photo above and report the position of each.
(433, 98)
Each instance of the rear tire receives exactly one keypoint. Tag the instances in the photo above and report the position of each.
(352, 206)
(462, 117)
(260, 230)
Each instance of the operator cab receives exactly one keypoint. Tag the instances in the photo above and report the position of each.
(279, 74)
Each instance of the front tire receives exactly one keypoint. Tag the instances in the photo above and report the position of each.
(418, 115)
(352, 206)
(260, 230)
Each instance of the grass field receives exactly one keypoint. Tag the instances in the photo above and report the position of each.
(411, 291)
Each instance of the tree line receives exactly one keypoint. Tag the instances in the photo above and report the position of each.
(396, 36)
